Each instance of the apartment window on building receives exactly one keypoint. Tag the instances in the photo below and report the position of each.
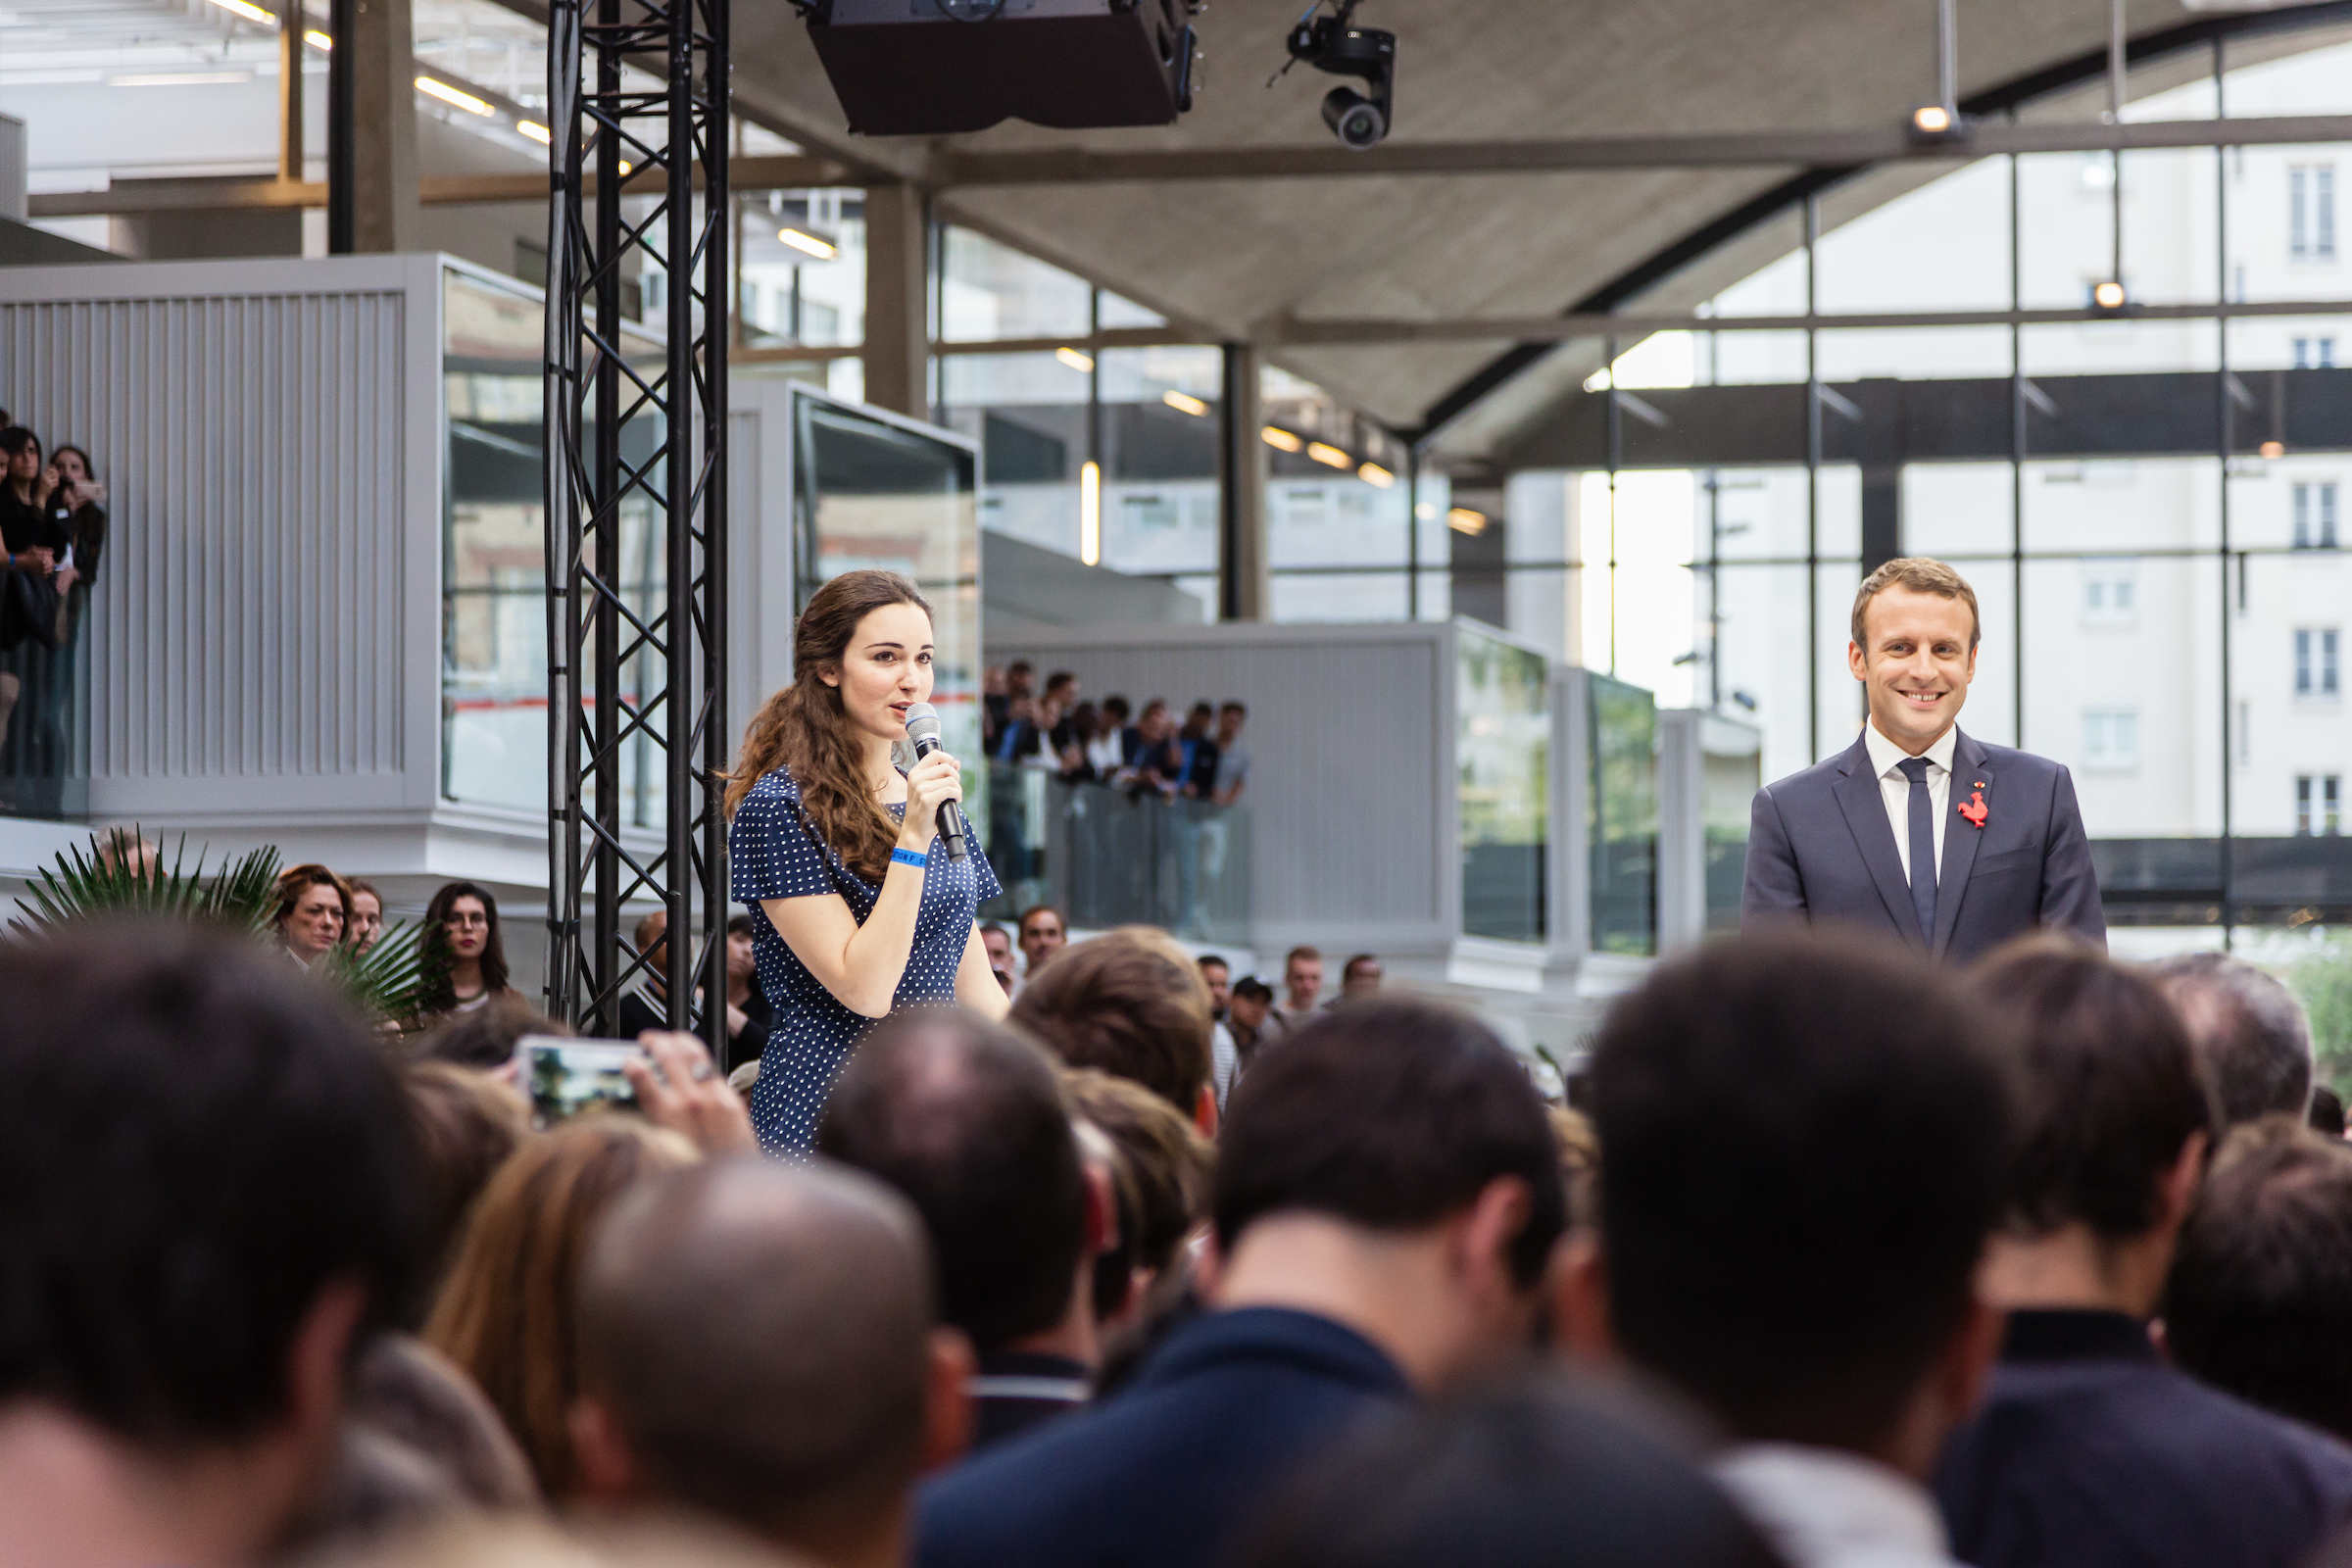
(2315, 515)
(2314, 354)
(2110, 590)
(2320, 803)
(2310, 212)
(2315, 662)
(2111, 737)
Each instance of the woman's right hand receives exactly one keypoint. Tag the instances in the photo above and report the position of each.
(936, 778)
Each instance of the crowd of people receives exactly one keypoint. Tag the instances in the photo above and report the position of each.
(1061, 732)
(53, 531)
(1844, 1261)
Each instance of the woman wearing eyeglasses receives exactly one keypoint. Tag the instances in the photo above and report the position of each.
(461, 927)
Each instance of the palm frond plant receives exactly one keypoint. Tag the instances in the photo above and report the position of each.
(390, 982)
(120, 879)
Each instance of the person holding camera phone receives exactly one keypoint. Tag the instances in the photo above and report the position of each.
(858, 906)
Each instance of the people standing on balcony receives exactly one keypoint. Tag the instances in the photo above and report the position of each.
(1106, 753)
(1199, 778)
(76, 501)
(859, 908)
(38, 543)
(366, 916)
(1232, 760)
(1302, 985)
(1078, 757)
(311, 914)
(1154, 759)
(463, 944)
(1043, 933)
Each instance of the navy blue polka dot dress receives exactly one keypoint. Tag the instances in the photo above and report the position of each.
(775, 855)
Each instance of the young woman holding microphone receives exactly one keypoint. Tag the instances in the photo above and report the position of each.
(857, 907)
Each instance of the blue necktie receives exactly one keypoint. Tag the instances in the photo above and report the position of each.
(1923, 847)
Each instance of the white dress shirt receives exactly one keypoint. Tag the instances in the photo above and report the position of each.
(1827, 1510)
(1895, 788)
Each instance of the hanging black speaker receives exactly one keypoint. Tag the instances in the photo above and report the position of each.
(934, 68)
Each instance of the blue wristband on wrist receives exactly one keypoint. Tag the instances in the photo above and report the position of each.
(909, 858)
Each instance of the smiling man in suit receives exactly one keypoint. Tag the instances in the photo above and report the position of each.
(1916, 828)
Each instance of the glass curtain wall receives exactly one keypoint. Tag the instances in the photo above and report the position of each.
(2150, 511)
(1346, 541)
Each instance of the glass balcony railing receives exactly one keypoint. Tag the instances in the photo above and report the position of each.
(44, 706)
(1107, 856)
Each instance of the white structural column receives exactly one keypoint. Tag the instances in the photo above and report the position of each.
(897, 325)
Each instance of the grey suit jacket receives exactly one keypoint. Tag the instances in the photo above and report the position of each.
(1820, 849)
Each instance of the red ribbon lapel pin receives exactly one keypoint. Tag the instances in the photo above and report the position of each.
(1974, 809)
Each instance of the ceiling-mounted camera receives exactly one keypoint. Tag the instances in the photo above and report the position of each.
(1333, 44)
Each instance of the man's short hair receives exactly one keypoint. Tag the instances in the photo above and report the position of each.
(1922, 574)
(1249, 988)
(466, 1126)
(1358, 962)
(1804, 1141)
(759, 1333)
(1131, 1002)
(1040, 909)
(2259, 1298)
(1231, 706)
(1021, 667)
(1208, 959)
(1057, 681)
(650, 925)
(996, 928)
(2249, 1030)
(195, 1141)
(1303, 951)
(968, 1121)
(2109, 1088)
(484, 1038)
(1393, 1115)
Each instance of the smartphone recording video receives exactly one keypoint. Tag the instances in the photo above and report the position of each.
(567, 1078)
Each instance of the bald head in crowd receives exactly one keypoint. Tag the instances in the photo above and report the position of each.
(2250, 1032)
(757, 1341)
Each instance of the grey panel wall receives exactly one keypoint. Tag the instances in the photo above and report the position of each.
(1351, 733)
(262, 641)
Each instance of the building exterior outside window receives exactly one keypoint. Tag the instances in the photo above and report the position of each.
(2310, 212)
(2111, 737)
(2320, 803)
(2315, 662)
(2315, 515)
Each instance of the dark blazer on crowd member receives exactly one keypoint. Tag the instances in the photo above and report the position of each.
(1820, 849)
(1016, 1390)
(2089, 1452)
(1165, 1475)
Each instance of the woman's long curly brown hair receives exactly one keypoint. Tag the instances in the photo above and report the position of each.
(803, 726)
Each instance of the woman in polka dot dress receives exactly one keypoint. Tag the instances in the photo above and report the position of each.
(857, 907)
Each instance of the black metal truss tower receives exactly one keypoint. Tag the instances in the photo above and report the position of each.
(636, 657)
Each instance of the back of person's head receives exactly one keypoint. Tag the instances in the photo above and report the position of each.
(2251, 1033)
(1171, 1162)
(1393, 1117)
(2327, 1111)
(197, 1147)
(2259, 1302)
(508, 1311)
(1532, 1476)
(467, 1124)
(533, 1540)
(484, 1038)
(2109, 1089)
(967, 1120)
(1804, 1142)
(759, 1335)
(1131, 1002)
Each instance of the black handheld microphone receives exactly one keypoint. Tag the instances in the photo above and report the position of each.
(922, 728)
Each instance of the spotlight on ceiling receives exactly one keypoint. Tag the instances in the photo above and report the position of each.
(2273, 448)
(2108, 295)
(1936, 123)
(808, 244)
